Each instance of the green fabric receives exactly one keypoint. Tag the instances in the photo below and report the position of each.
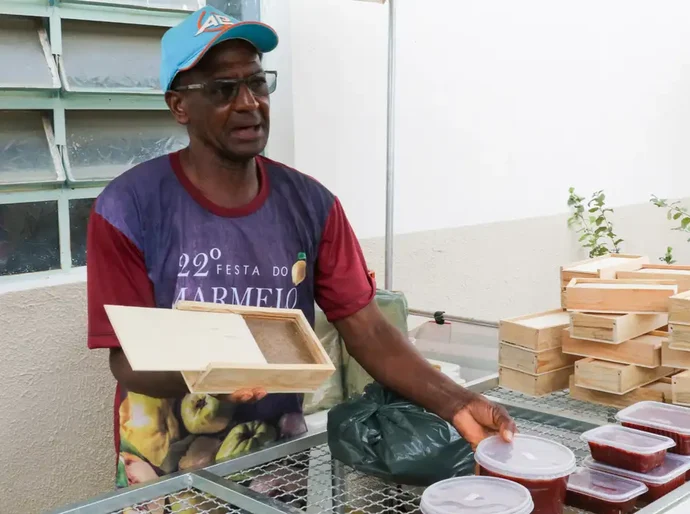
(393, 305)
(384, 435)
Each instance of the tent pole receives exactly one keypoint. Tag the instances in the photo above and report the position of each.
(390, 143)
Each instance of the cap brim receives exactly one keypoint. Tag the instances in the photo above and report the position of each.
(258, 34)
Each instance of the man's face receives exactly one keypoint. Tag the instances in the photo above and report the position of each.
(235, 127)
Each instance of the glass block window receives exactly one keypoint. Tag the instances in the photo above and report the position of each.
(29, 239)
(79, 211)
(103, 144)
(103, 57)
(27, 150)
(25, 55)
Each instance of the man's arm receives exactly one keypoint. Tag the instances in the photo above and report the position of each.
(346, 293)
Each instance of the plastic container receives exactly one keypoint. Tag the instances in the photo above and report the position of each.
(542, 466)
(627, 448)
(660, 418)
(660, 481)
(476, 495)
(602, 493)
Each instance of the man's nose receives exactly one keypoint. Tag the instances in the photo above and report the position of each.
(245, 99)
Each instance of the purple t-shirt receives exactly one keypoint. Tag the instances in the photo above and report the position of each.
(154, 239)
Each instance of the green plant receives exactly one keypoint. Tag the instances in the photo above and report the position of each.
(675, 212)
(591, 221)
(668, 256)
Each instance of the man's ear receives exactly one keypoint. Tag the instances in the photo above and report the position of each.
(177, 106)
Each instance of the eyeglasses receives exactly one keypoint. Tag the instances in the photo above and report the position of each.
(222, 91)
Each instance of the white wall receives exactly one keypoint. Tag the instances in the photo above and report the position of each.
(501, 105)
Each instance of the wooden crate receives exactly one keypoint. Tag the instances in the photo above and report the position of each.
(534, 385)
(680, 388)
(659, 391)
(614, 328)
(539, 331)
(679, 336)
(529, 361)
(612, 377)
(605, 266)
(679, 309)
(680, 274)
(644, 351)
(672, 358)
(223, 348)
(619, 296)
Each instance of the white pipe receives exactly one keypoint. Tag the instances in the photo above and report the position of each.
(390, 155)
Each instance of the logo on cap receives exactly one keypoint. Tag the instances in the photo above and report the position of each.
(213, 23)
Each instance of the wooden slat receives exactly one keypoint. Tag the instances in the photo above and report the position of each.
(679, 336)
(612, 377)
(679, 274)
(642, 351)
(534, 385)
(681, 388)
(679, 309)
(614, 328)
(539, 331)
(659, 391)
(619, 296)
(528, 361)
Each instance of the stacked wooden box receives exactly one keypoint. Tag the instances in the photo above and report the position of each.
(610, 342)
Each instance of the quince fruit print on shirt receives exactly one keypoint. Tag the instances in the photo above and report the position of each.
(200, 414)
(246, 437)
(299, 269)
(149, 426)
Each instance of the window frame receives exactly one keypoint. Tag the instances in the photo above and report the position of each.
(59, 100)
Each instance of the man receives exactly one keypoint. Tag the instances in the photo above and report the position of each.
(217, 222)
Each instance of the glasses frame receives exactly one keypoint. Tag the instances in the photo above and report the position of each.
(238, 83)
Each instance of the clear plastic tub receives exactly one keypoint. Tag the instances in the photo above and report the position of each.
(602, 493)
(476, 495)
(627, 448)
(542, 466)
(660, 418)
(660, 481)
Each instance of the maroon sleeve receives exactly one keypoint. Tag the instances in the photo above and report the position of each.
(116, 275)
(343, 283)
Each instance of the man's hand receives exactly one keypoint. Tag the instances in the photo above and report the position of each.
(243, 396)
(480, 419)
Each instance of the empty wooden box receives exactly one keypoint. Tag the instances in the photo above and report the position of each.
(605, 266)
(615, 378)
(674, 358)
(529, 361)
(644, 350)
(223, 348)
(614, 328)
(680, 386)
(679, 336)
(540, 331)
(680, 274)
(679, 309)
(534, 385)
(659, 391)
(619, 296)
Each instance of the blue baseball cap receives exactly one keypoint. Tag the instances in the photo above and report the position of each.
(183, 46)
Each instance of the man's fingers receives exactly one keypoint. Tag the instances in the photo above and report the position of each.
(503, 423)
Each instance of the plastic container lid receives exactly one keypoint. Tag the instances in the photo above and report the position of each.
(527, 457)
(605, 486)
(476, 495)
(628, 439)
(662, 416)
(673, 467)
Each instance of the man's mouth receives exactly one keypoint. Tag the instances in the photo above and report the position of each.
(247, 132)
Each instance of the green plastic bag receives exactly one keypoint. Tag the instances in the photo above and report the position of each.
(384, 435)
(393, 305)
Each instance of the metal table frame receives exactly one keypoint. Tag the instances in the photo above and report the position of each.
(211, 480)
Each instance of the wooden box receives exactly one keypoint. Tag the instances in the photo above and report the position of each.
(534, 385)
(659, 391)
(605, 266)
(679, 359)
(619, 296)
(614, 328)
(644, 350)
(680, 274)
(679, 336)
(540, 331)
(681, 388)
(223, 348)
(615, 378)
(679, 309)
(529, 361)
